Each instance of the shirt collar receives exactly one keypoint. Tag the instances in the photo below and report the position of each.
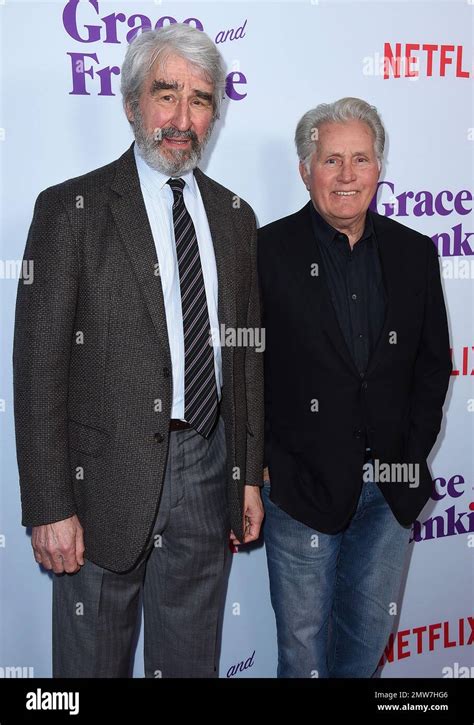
(326, 234)
(154, 180)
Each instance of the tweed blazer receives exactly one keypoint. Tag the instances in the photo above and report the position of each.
(92, 367)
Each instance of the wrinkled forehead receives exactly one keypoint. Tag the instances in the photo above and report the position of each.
(345, 131)
(352, 136)
(171, 68)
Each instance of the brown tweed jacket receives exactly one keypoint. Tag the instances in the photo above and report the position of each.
(92, 368)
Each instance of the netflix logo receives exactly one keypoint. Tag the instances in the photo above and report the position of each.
(463, 360)
(429, 637)
(413, 60)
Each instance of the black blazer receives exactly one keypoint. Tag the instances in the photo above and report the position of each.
(317, 405)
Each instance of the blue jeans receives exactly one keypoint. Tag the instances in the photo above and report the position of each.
(334, 595)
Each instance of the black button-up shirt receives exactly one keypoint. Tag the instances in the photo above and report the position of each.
(354, 280)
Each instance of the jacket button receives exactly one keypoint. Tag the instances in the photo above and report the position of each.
(364, 385)
(166, 372)
(358, 433)
(159, 438)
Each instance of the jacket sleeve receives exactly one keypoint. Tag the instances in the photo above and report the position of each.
(432, 367)
(44, 325)
(254, 376)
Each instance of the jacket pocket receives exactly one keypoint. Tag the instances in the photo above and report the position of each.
(86, 438)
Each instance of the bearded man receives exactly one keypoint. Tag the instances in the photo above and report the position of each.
(139, 439)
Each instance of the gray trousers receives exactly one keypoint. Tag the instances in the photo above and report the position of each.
(180, 577)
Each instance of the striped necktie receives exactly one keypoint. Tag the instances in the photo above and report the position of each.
(200, 391)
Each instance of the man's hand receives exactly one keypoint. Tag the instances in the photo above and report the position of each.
(253, 516)
(59, 546)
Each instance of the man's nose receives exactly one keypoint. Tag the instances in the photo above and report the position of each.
(181, 118)
(346, 171)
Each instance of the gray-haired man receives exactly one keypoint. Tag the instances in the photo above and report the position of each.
(139, 440)
(357, 366)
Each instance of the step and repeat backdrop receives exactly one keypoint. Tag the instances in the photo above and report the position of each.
(61, 116)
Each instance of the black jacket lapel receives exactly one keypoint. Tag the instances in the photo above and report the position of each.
(303, 253)
(392, 274)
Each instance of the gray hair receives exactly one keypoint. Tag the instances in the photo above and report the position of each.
(345, 109)
(189, 43)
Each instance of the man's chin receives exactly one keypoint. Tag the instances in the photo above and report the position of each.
(176, 159)
(174, 162)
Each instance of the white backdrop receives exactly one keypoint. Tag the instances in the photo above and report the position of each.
(286, 58)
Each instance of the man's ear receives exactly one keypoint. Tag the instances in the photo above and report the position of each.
(304, 174)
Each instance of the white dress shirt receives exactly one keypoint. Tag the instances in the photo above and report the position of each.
(158, 199)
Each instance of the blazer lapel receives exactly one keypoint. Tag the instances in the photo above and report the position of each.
(129, 212)
(316, 296)
(302, 253)
(392, 274)
(220, 225)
